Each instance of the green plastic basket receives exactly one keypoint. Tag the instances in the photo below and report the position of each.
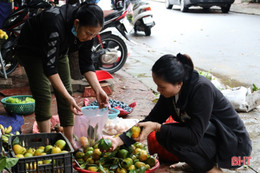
(16, 108)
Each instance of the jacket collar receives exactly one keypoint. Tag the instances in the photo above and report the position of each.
(186, 90)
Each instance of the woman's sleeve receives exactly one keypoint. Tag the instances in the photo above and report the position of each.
(159, 114)
(85, 59)
(51, 45)
(191, 132)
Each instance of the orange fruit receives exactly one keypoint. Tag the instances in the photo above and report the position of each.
(121, 170)
(18, 149)
(93, 168)
(38, 152)
(143, 155)
(84, 141)
(55, 150)
(60, 143)
(19, 156)
(135, 131)
(28, 154)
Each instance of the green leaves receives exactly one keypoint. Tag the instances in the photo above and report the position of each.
(255, 88)
(129, 133)
(7, 163)
(93, 133)
(105, 144)
(15, 141)
(2, 163)
(206, 74)
(101, 168)
(10, 162)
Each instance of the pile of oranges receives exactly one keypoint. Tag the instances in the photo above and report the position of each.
(132, 159)
(22, 152)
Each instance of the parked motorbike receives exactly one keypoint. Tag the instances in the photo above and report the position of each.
(109, 50)
(13, 25)
(141, 17)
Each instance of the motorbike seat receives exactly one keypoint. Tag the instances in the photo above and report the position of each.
(115, 14)
(107, 12)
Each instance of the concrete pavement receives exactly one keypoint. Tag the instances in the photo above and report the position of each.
(244, 7)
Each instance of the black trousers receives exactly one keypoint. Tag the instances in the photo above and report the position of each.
(201, 157)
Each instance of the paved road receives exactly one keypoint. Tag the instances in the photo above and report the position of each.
(224, 44)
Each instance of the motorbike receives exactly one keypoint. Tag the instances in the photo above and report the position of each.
(109, 50)
(12, 26)
(141, 16)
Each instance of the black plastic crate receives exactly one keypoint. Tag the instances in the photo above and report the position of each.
(60, 163)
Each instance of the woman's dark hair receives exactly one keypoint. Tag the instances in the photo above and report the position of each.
(90, 15)
(173, 69)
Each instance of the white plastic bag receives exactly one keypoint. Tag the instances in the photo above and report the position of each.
(118, 125)
(243, 99)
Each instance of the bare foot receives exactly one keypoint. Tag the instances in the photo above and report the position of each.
(215, 170)
(181, 166)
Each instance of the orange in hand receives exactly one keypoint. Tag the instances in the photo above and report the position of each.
(135, 131)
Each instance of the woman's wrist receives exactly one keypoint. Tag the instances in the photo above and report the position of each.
(68, 97)
(157, 127)
(98, 90)
(120, 141)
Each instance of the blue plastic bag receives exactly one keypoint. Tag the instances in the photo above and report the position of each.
(5, 10)
(16, 121)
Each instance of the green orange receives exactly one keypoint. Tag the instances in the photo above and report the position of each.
(104, 144)
(122, 153)
(126, 163)
(121, 170)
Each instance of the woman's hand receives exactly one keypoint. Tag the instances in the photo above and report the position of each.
(58, 85)
(73, 105)
(148, 127)
(101, 96)
(102, 99)
(116, 142)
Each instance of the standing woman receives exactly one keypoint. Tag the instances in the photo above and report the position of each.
(44, 42)
(209, 131)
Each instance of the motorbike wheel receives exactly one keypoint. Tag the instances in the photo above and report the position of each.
(147, 31)
(9, 61)
(110, 42)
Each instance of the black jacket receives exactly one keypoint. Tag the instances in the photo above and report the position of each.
(200, 102)
(48, 35)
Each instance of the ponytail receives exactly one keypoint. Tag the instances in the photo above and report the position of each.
(174, 69)
(187, 64)
(185, 59)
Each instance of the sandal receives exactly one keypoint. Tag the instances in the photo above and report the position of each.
(181, 166)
